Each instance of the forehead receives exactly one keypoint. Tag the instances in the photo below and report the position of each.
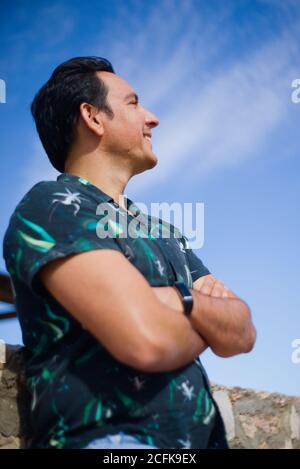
(117, 86)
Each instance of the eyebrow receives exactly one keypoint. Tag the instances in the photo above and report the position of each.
(132, 95)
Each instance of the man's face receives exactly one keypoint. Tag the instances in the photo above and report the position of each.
(128, 133)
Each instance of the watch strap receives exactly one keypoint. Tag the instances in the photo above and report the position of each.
(187, 297)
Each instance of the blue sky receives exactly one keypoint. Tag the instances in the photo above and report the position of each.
(218, 74)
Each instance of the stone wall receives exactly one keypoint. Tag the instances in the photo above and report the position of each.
(253, 419)
(257, 419)
(14, 398)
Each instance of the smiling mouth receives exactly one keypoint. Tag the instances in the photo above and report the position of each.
(148, 138)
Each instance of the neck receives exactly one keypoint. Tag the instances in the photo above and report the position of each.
(102, 173)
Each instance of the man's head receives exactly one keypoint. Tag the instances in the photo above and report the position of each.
(84, 101)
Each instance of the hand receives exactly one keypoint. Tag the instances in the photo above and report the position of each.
(212, 287)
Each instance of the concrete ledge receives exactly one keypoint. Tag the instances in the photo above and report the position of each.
(253, 419)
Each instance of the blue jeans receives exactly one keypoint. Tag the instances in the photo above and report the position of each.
(119, 440)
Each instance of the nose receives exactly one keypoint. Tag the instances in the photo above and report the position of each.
(151, 120)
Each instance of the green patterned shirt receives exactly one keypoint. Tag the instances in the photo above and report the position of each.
(79, 391)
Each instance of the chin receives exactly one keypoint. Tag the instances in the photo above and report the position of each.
(147, 163)
(152, 161)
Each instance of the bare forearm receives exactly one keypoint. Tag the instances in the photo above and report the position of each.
(225, 324)
(180, 342)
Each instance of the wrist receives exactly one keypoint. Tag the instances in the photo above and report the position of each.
(200, 301)
(176, 300)
(168, 295)
(185, 296)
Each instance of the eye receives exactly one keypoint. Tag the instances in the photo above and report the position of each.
(133, 102)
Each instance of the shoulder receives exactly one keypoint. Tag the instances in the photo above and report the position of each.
(34, 196)
(44, 195)
(45, 207)
(38, 195)
(44, 192)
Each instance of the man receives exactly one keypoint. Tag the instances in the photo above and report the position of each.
(112, 345)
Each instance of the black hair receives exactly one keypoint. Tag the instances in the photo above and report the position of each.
(55, 107)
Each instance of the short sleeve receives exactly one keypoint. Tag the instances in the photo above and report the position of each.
(52, 221)
(196, 266)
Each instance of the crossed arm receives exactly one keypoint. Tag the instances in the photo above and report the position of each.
(224, 323)
(145, 327)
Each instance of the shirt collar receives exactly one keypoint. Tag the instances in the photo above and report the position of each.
(68, 177)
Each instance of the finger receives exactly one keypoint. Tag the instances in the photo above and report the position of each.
(207, 286)
(231, 294)
(218, 289)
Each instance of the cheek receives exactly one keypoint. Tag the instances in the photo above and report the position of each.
(130, 128)
(124, 136)
(125, 130)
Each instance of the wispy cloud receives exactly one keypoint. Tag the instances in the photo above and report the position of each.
(216, 108)
(214, 119)
(223, 123)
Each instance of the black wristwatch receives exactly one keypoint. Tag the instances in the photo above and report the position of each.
(187, 298)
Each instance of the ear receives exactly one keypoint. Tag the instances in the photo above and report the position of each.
(92, 118)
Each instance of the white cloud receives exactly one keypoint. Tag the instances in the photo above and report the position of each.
(214, 112)
(210, 127)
